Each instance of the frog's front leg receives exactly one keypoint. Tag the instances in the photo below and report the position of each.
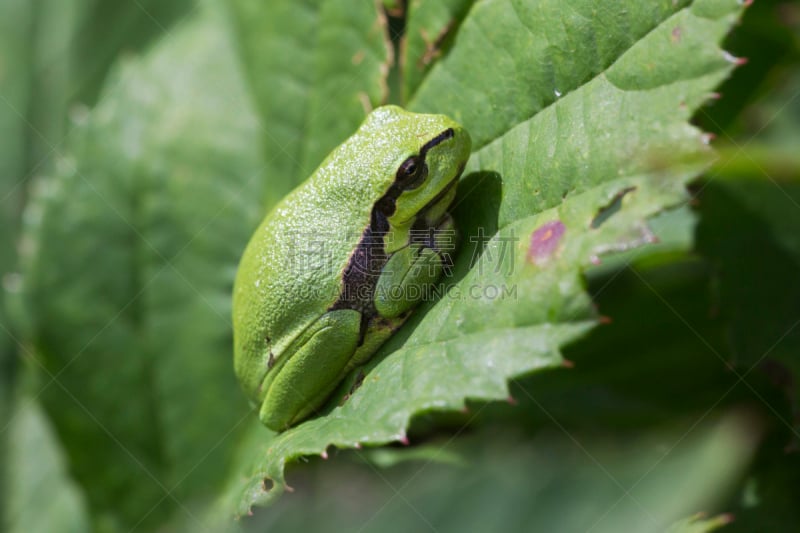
(319, 359)
(411, 271)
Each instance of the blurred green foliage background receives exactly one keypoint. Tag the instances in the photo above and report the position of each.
(684, 401)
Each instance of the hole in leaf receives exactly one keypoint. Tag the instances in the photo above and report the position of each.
(611, 208)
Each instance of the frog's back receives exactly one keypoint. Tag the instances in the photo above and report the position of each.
(291, 270)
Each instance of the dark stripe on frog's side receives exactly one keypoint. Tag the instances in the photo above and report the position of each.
(360, 276)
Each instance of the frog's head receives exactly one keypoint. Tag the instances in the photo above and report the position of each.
(427, 155)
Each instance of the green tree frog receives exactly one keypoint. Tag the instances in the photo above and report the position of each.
(336, 267)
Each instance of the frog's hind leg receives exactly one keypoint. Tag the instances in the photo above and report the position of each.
(316, 366)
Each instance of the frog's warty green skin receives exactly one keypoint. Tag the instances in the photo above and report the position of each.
(388, 187)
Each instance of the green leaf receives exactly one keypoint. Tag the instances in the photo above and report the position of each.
(513, 59)
(104, 29)
(15, 30)
(41, 496)
(131, 252)
(699, 524)
(750, 233)
(15, 35)
(764, 317)
(315, 68)
(581, 135)
(551, 481)
(750, 201)
(767, 38)
(431, 27)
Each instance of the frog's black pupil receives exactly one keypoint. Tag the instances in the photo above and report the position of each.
(409, 167)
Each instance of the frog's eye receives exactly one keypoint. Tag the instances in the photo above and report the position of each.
(408, 169)
(412, 172)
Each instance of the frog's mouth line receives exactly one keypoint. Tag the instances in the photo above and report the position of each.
(444, 192)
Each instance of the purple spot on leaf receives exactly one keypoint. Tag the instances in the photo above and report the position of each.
(545, 240)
